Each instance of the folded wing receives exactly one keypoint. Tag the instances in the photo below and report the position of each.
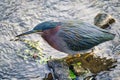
(81, 36)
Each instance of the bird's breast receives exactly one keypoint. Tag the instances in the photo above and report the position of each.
(52, 38)
(54, 41)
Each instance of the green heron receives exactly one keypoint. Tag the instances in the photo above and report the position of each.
(71, 36)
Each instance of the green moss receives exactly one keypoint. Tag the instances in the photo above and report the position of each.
(72, 75)
(79, 63)
(33, 51)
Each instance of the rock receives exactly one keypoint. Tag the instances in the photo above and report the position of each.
(93, 64)
(78, 69)
(60, 69)
(49, 77)
(103, 20)
(80, 65)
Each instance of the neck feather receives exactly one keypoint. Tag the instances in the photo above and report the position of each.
(50, 36)
(51, 31)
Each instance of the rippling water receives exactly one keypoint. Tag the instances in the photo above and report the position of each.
(17, 16)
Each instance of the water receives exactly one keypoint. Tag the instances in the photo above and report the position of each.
(17, 16)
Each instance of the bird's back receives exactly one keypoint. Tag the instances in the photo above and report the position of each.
(82, 36)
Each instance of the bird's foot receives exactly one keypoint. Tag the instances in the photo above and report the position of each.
(90, 54)
(70, 58)
(77, 55)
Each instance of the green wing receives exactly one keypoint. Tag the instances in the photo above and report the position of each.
(81, 36)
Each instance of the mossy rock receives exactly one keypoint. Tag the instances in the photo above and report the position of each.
(70, 67)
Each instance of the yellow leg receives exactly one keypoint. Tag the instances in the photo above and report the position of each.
(77, 55)
(72, 57)
(90, 54)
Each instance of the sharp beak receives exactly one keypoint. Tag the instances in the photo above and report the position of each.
(29, 32)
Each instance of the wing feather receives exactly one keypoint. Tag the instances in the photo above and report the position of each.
(82, 36)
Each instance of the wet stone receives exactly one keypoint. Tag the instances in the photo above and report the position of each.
(60, 69)
(103, 20)
(77, 69)
(80, 65)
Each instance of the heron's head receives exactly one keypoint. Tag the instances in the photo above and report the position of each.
(41, 27)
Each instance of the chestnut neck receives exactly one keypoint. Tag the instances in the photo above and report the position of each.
(51, 32)
(50, 36)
